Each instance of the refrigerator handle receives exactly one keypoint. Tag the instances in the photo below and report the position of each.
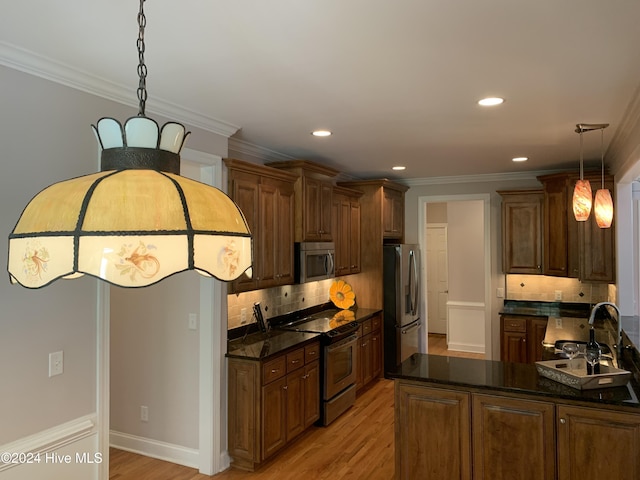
(413, 282)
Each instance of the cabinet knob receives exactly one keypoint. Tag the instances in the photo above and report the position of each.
(524, 340)
(563, 421)
(285, 387)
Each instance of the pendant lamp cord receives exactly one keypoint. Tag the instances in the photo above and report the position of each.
(142, 68)
(602, 153)
(581, 169)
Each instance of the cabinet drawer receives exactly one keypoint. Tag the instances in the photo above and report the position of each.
(295, 360)
(376, 322)
(274, 369)
(366, 327)
(311, 352)
(515, 324)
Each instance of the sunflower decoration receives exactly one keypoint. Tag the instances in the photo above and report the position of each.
(341, 294)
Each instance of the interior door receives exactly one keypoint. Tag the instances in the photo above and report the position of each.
(437, 278)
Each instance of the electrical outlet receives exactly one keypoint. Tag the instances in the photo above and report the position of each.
(243, 316)
(56, 363)
(558, 295)
(193, 321)
(558, 322)
(500, 292)
(144, 413)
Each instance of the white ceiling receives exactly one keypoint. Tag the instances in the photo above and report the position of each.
(396, 80)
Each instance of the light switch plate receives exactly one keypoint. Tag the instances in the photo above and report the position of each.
(500, 292)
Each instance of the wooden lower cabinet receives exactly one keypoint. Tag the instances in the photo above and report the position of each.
(432, 433)
(597, 444)
(513, 439)
(271, 402)
(456, 433)
(521, 338)
(369, 362)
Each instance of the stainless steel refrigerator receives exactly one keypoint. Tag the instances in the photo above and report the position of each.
(401, 286)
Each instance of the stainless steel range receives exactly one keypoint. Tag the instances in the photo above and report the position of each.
(338, 362)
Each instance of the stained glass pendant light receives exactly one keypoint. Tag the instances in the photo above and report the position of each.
(135, 222)
(582, 190)
(603, 205)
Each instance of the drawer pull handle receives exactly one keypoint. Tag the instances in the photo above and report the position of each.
(295, 361)
(275, 370)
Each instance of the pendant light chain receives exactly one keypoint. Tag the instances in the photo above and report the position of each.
(602, 153)
(142, 68)
(581, 167)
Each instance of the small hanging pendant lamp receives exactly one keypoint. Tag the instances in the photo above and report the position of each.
(582, 190)
(137, 221)
(603, 207)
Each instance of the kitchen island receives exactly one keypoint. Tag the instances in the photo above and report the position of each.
(460, 418)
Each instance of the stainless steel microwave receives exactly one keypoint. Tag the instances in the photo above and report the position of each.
(314, 261)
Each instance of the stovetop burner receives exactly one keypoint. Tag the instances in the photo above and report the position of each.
(332, 325)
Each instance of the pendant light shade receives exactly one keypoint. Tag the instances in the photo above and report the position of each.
(603, 208)
(582, 200)
(582, 190)
(135, 222)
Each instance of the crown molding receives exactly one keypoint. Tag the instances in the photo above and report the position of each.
(245, 150)
(29, 62)
(484, 178)
(621, 151)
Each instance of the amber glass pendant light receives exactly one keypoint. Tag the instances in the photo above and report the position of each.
(603, 207)
(582, 190)
(135, 222)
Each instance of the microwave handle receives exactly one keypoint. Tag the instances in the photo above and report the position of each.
(328, 263)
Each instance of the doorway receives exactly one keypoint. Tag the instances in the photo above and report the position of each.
(437, 283)
(184, 371)
(468, 301)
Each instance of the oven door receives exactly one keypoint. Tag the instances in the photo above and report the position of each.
(339, 366)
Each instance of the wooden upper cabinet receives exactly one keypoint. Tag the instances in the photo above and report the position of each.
(266, 198)
(393, 213)
(571, 248)
(346, 228)
(313, 204)
(316, 216)
(522, 231)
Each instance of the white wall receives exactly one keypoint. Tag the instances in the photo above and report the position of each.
(46, 137)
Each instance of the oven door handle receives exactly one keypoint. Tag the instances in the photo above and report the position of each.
(342, 343)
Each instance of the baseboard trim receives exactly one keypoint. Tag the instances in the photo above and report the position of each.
(51, 439)
(189, 457)
(463, 347)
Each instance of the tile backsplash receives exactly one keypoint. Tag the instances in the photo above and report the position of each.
(543, 288)
(276, 301)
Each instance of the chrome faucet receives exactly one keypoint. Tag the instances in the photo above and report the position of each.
(618, 319)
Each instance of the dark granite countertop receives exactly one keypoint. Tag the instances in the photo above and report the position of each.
(259, 346)
(517, 378)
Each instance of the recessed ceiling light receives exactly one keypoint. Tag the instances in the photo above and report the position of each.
(398, 167)
(490, 101)
(321, 133)
(520, 159)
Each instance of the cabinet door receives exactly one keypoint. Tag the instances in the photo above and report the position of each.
(432, 433)
(311, 393)
(556, 244)
(393, 213)
(366, 359)
(598, 244)
(285, 233)
(536, 329)
(326, 198)
(595, 444)
(513, 439)
(376, 354)
(267, 234)
(295, 389)
(354, 236)
(317, 210)
(342, 235)
(244, 191)
(244, 408)
(274, 411)
(522, 233)
(514, 347)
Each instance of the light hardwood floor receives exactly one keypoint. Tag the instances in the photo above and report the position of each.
(438, 346)
(358, 445)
